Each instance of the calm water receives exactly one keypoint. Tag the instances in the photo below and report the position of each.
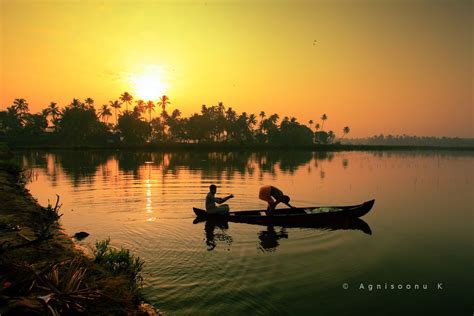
(422, 228)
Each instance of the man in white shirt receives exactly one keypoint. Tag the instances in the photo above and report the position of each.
(211, 201)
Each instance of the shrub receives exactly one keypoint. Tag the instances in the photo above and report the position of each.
(119, 261)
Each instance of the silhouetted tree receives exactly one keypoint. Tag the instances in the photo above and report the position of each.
(79, 125)
(293, 133)
(75, 103)
(331, 136)
(138, 110)
(197, 128)
(323, 118)
(345, 131)
(126, 98)
(242, 132)
(164, 102)
(132, 128)
(35, 124)
(150, 106)
(252, 121)
(322, 137)
(89, 102)
(270, 128)
(141, 104)
(176, 128)
(105, 113)
(213, 124)
(54, 112)
(21, 106)
(116, 105)
(220, 121)
(10, 122)
(157, 130)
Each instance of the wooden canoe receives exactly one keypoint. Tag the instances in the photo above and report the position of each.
(293, 216)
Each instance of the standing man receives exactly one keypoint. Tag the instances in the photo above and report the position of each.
(273, 196)
(211, 201)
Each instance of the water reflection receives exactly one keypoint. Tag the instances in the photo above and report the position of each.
(269, 238)
(82, 166)
(130, 162)
(422, 153)
(212, 237)
(345, 163)
(79, 165)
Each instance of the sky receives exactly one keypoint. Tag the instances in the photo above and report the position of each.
(391, 67)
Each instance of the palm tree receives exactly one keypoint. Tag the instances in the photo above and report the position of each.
(174, 125)
(139, 109)
(76, 103)
(346, 131)
(164, 101)
(89, 102)
(176, 114)
(116, 105)
(323, 118)
(45, 113)
(331, 136)
(20, 106)
(262, 116)
(230, 115)
(53, 111)
(274, 118)
(221, 107)
(317, 127)
(104, 113)
(141, 105)
(19, 110)
(150, 106)
(126, 98)
(252, 121)
(310, 123)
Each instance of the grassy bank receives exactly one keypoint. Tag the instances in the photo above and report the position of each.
(41, 271)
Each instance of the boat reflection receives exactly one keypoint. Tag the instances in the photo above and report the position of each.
(269, 238)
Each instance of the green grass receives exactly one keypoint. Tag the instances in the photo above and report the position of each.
(119, 261)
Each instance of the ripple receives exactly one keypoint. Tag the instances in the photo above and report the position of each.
(286, 271)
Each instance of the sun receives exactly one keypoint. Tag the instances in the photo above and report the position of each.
(149, 84)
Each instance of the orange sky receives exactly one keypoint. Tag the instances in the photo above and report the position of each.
(400, 67)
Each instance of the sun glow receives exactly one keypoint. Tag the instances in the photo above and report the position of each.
(149, 84)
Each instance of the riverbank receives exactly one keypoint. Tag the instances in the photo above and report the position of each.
(41, 270)
(236, 147)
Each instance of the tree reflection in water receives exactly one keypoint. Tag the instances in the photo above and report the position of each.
(82, 166)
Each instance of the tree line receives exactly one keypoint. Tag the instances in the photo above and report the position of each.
(408, 140)
(81, 123)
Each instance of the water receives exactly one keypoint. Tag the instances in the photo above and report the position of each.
(421, 228)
